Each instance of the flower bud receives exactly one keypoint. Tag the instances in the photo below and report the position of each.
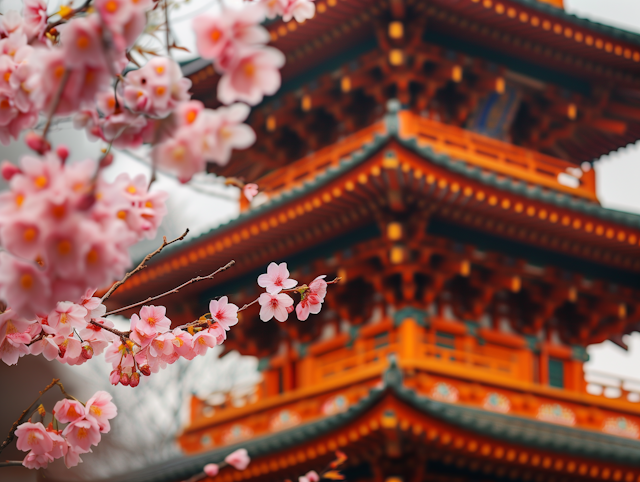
(211, 470)
(37, 143)
(290, 309)
(114, 377)
(86, 202)
(87, 352)
(124, 379)
(106, 160)
(135, 380)
(9, 170)
(62, 152)
(145, 370)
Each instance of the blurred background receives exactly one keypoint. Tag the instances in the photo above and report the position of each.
(151, 415)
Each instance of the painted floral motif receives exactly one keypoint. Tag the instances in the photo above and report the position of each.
(336, 404)
(621, 426)
(237, 433)
(284, 419)
(444, 392)
(556, 413)
(497, 402)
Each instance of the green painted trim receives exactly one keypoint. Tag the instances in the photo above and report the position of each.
(420, 316)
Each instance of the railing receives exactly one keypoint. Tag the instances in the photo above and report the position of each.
(307, 168)
(497, 156)
(612, 386)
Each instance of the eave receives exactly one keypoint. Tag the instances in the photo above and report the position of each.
(393, 412)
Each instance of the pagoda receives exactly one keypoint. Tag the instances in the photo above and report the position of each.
(436, 156)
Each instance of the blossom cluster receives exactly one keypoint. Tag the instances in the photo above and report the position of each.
(152, 345)
(276, 304)
(238, 459)
(235, 41)
(85, 424)
(65, 232)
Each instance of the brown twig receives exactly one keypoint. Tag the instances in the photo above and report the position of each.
(10, 463)
(120, 334)
(174, 290)
(141, 266)
(56, 101)
(10, 437)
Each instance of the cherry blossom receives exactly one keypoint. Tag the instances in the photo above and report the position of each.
(239, 459)
(37, 461)
(219, 35)
(224, 312)
(274, 306)
(157, 88)
(252, 76)
(301, 10)
(250, 190)
(67, 411)
(311, 476)
(276, 278)
(82, 434)
(312, 298)
(101, 409)
(211, 470)
(33, 437)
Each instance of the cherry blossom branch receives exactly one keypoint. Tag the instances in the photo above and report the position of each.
(10, 437)
(11, 463)
(172, 291)
(203, 475)
(292, 290)
(56, 102)
(142, 265)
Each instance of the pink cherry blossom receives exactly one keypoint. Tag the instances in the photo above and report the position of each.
(101, 409)
(34, 437)
(72, 457)
(153, 320)
(231, 133)
(250, 190)
(203, 340)
(157, 88)
(224, 312)
(60, 445)
(67, 411)
(162, 345)
(276, 279)
(37, 461)
(23, 285)
(312, 299)
(183, 343)
(82, 43)
(217, 35)
(254, 75)
(311, 476)
(274, 306)
(211, 470)
(82, 434)
(35, 18)
(67, 316)
(301, 10)
(239, 459)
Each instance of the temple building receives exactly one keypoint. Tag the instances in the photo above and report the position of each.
(437, 156)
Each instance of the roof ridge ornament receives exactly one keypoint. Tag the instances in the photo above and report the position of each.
(391, 118)
(392, 376)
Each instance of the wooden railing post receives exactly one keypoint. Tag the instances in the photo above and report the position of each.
(409, 333)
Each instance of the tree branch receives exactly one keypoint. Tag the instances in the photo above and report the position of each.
(174, 290)
(10, 463)
(10, 437)
(142, 265)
